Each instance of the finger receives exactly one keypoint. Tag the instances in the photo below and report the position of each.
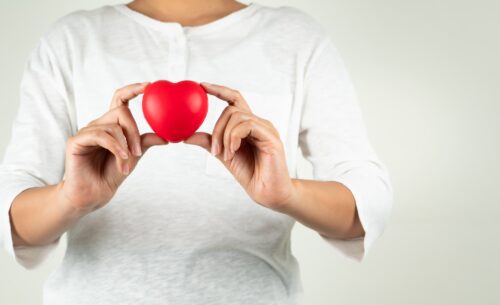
(218, 131)
(149, 140)
(116, 132)
(127, 121)
(123, 95)
(236, 118)
(123, 117)
(201, 139)
(232, 97)
(251, 130)
(98, 137)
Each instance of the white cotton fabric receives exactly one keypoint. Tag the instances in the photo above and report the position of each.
(180, 230)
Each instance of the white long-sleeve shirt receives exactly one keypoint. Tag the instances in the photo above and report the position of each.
(180, 229)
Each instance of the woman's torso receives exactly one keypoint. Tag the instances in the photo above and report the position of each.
(180, 230)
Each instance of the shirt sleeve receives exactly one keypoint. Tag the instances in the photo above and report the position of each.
(332, 137)
(34, 156)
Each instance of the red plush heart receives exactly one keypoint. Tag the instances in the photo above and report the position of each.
(174, 110)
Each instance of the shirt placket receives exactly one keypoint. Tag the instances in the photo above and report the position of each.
(177, 58)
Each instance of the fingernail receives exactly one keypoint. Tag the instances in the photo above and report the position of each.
(215, 148)
(124, 154)
(225, 155)
(206, 84)
(137, 150)
(126, 169)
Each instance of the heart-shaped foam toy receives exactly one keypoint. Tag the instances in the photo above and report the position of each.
(174, 110)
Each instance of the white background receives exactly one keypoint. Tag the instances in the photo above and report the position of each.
(428, 76)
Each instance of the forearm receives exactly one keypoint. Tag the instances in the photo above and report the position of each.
(327, 207)
(39, 216)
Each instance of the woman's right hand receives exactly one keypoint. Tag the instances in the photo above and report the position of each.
(101, 155)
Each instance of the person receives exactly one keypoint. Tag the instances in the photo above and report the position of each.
(151, 223)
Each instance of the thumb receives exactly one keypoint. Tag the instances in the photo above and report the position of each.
(201, 139)
(149, 140)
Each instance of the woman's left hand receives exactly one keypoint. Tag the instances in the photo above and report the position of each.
(250, 148)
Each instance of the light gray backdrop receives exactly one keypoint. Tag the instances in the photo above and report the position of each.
(428, 76)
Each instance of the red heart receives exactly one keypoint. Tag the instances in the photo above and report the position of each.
(174, 110)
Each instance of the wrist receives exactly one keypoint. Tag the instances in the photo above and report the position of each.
(294, 199)
(66, 206)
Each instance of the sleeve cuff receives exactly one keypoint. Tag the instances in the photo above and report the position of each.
(373, 196)
(28, 257)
